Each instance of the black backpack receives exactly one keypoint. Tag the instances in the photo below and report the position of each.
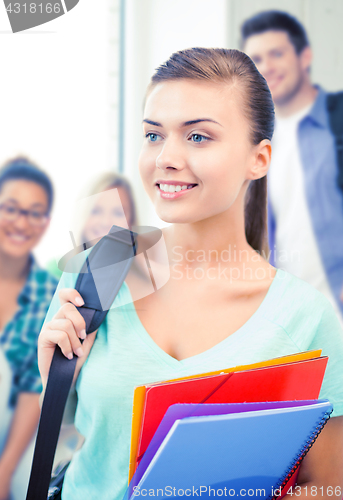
(335, 109)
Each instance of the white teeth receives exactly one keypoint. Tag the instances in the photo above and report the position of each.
(172, 188)
(18, 237)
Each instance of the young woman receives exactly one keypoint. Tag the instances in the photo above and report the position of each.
(102, 209)
(26, 290)
(208, 122)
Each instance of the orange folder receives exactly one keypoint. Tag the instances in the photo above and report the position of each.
(266, 380)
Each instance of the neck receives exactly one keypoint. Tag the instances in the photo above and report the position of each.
(13, 269)
(305, 95)
(206, 243)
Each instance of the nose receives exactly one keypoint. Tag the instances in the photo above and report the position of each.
(21, 222)
(114, 218)
(172, 156)
(266, 67)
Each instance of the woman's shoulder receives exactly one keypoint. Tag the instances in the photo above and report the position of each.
(298, 292)
(298, 307)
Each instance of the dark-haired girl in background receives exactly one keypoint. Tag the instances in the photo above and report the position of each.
(26, 196)
(208, 122)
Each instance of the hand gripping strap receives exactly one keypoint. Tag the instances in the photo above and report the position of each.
(118, 247)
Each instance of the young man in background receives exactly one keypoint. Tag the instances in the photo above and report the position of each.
(305, 200)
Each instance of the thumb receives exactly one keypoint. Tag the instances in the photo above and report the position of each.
(87, 345)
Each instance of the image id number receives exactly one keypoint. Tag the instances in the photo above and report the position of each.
(34, 8)
(330, 491)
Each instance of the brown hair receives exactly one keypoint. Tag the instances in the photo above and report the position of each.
(235, 68)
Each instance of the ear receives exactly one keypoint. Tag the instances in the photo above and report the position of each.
(306, 58)
(261, 160)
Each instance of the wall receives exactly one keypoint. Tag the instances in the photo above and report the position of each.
(59, 101)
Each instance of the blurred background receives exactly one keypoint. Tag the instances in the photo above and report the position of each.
(72, 90)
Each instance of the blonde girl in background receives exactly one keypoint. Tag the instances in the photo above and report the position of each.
(109, 201)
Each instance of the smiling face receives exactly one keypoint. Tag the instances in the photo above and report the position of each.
(276, 58)
(197, 157)
(18, 237)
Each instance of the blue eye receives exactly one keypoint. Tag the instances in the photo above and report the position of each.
(198, 138)
(152, 137)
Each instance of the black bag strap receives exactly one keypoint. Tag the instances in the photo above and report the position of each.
(335, 110)
(113, 254)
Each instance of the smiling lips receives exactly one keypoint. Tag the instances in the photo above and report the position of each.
(172, 189)
(274, 81)
(17, 238)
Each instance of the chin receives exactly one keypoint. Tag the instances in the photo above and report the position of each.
(283, 97)
(182, 218)
(172, 219)
(16, 253)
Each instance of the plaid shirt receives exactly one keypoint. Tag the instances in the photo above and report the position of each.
(20, 335)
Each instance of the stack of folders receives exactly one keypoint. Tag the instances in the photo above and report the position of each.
(240, 431)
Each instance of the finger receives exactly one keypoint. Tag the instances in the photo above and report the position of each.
(66, 338)
(68, 311)
(51, 338)
(65, 325)
(70, 295)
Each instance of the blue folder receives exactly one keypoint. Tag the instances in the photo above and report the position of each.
(220, 455)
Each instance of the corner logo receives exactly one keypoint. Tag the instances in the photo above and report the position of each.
(24, 14)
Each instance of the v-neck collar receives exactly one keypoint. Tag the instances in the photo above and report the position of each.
(192, 361)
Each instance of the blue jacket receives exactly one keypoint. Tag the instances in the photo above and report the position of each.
(324, 197)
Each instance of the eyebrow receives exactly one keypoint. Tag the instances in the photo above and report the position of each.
(185, 124)
(13, 200)
(270, 51)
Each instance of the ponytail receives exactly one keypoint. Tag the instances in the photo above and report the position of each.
(256, 214)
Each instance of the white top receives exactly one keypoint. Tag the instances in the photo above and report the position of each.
(296, 247)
